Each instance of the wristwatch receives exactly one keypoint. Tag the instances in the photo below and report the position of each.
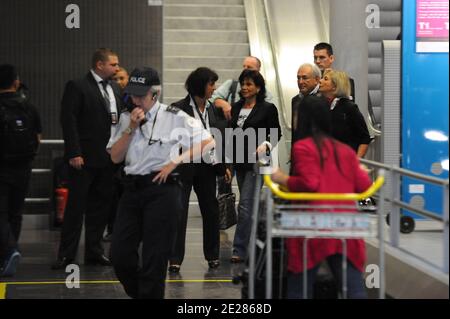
(128, 131)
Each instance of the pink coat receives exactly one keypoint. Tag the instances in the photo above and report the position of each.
(309, 177)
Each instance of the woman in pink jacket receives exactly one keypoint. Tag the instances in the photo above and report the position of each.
(323, 165)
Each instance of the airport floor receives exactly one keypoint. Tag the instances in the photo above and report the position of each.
(35, 280)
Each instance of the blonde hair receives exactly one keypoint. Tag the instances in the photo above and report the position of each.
(341, 81)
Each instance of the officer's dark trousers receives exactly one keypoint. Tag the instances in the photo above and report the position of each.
(13, 189)
(204, 183)
(146, 215)
(90, 191)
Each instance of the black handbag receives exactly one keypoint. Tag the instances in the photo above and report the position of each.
(227, 210)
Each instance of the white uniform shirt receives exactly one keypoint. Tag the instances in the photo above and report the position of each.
(171, 130)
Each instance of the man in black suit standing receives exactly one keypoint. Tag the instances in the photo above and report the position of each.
(90, 107)
(324, 59)
(308, 78)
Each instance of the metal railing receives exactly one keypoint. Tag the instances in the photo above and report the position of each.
(42, 171)
(394, 173)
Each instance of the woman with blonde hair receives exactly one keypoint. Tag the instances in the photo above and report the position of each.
(348, 124)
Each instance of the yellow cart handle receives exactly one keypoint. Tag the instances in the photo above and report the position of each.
(275, 188)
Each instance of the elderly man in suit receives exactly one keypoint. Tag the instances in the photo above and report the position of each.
(89, 109)
(308, 78)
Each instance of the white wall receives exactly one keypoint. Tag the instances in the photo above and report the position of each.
(296, 27)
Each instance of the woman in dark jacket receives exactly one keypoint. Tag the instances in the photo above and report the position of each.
(348, 124)
(255, 126)
(200, 85)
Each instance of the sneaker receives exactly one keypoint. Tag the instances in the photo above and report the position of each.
(11, 265)
(174, 269)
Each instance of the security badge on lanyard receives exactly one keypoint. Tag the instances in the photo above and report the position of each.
(151, 141)
(212, 152)
(113, 118)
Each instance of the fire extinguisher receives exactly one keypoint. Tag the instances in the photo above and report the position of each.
(61, 201)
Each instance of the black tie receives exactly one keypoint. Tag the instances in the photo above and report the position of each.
(106, 95)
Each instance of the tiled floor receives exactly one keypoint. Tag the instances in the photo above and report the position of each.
(35, 279)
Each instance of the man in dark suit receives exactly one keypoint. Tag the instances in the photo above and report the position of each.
(308, 78)
(324, 58)
(89, 109)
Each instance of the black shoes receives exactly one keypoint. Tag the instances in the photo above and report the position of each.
(213, 263)
(100, 260)
(61, 263)
(174, 269)
(236, 259)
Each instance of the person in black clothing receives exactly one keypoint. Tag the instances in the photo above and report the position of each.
(253, 115)
(121, 78)
(348, 124)
(200, 85)
(324, 59)
(308, 78)
(89, 109)
(20, 134)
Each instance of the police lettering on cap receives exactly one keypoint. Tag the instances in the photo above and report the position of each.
(141, 80)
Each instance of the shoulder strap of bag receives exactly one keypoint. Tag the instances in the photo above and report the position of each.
(232, 91)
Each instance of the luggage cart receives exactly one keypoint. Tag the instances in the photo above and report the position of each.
(303, 220)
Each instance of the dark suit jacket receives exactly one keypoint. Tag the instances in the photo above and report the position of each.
(348, 124)
(264, 115)
(296, 114)
(85, 121)
(214, 119)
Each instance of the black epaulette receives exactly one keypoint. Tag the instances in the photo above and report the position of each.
(173, 109)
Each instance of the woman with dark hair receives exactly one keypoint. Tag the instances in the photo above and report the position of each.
(255, 123)
(321, 164)
(200, 85)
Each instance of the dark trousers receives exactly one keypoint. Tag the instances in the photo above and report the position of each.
(116, 194)
(355, 281)
(13, 189)
(204, 184)
(146, 215)
(90, 192)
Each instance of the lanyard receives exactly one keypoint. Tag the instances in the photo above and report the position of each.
(150, 140)
(200, 115)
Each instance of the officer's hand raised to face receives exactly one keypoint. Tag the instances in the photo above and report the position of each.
(136, 117)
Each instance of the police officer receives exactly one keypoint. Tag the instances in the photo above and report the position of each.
(153, 139)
